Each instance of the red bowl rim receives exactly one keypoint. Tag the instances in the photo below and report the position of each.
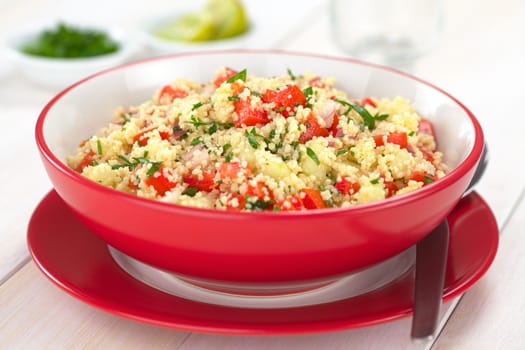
(467, 164)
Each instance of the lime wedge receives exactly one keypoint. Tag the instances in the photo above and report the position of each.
(229, 17)
(219, 19)
(191, 27)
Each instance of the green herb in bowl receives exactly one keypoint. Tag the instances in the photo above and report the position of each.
(66, 41)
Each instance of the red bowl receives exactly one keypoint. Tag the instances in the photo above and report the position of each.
(254, 247)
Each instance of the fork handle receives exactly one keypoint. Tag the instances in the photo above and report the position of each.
(431, 260)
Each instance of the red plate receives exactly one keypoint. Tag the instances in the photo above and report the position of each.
(79, 262)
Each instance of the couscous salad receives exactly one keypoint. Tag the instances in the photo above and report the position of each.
(247, 143)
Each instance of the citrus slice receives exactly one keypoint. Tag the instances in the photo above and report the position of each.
(229, 17)
(191, 27)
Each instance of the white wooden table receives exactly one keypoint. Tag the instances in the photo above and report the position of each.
(480, 61)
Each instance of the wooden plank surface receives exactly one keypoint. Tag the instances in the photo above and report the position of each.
(480, 61)
(490, 315)
(55, 320)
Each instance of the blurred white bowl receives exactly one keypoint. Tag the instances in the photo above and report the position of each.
(62, 72)
(161, 46)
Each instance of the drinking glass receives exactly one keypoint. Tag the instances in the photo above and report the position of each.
(388, 32)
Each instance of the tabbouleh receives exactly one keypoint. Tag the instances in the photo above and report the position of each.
(241, 142)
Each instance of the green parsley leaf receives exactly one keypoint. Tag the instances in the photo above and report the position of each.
(234, 98)
(428, 179)
(196, 141)
(125, 118)
(155, 166)
(197, 105)
(369, 121)
(346, 104)
(251, 138)
(374, 181)
(309, 91)
(310, 153)
(254, 203)
(213, 128)
(239, 76)
(255, 93)
(191, 191)
(341, 151)
(99, 147)
(292, 76)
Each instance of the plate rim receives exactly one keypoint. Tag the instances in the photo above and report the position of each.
(261, 327)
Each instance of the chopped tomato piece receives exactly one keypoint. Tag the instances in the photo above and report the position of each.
(391, 188)
(316, 82)
(285, 100)
(161, 180)
(347, 187)
(235, 202)
(133, 182)
(290, 203)
(425, 127)
(170, 93)
(142, 139)
(205, 183)
(398, 138)
(313, 199)
(221, 78)
(334, 127)
(428, 155)
(368, 101)
(237, 87)
(421, 176)
(233, 170)
(248, 115)
(312, 129)
(379, 140)
(260, 190)
(86, 161)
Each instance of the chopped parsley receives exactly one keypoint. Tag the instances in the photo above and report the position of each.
(228, 155)
(212, 126)
(341, 151)
(309, 91)
(256, 204)
(239, 76)
(251, 138)
(374, 181)
(125, 118)
(234, 98)
(310, 153)
(196, 141)
(290, 74)
(66, 41)
(369, 121)
(99, 147)
(191, 191)
(154, 166)
(196, 105)
(428, 179)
